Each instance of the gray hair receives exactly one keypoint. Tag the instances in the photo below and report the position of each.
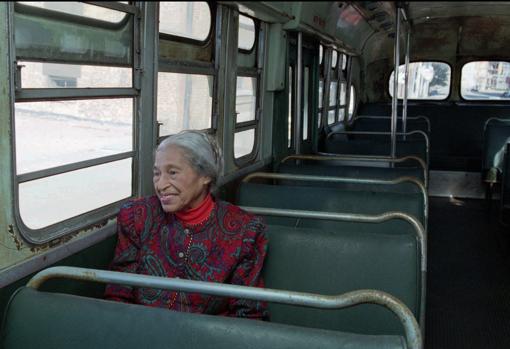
(200, 150)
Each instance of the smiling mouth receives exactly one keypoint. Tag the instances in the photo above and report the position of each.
(167, 198)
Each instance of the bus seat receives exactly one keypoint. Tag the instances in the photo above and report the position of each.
(360, 146)
(332, 200)
(384, 125)
(359, 172)
(36, 319)
(496, 136)
(333, 262)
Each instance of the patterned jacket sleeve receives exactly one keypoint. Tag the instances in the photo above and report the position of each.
(126, 253)
(248, 271)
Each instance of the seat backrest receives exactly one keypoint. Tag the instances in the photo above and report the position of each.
(376, 147)
(496, 136)
(41, 320)
(333, 200)
(384, 125)
(355, 172)
(333, 262)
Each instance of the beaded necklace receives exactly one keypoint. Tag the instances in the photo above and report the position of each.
(189, 228)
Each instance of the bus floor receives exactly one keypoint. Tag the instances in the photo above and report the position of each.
(468, 279)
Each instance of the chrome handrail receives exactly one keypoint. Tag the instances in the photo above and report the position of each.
(411, 327)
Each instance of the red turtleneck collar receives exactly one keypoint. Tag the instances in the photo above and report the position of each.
(198, 214)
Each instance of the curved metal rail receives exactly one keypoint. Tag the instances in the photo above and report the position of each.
(332, 179)
(421, 234)
(411, 328)
(330, 157)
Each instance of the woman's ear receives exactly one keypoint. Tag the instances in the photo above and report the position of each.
(206, 180)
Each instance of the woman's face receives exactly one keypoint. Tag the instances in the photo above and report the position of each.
(178, 186)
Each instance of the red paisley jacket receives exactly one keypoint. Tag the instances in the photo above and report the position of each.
(229, 247)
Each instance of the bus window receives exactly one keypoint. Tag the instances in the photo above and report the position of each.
(427, 80)
(321, 85)
(246, 109)
(52, 136)
(49, 200)
(333, 97)
(290, 87)
(246, 33)
(244, 142)
(306, 118)
(79, 9)
(188, 19)
(250, 70)
(341, 107)
(352, 103)
(334, 59)
(53, 75)
(485, 80)
(184, 102)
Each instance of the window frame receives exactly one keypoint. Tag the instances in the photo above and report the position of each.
(98, 216)
(424, 99)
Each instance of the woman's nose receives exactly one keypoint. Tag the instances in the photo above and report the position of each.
(162, 183)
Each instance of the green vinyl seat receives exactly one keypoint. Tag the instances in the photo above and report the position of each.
(334, 262)
(356, 172)
(36, 319)
(333, 200)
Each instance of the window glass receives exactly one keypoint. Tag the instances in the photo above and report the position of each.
(246, 98)
(427, 80)
(305, 103)
(331, 117)
(184, 102)
(344, 62)
(341, 114)
(321, 84)
(334, 59)
(189, 19)
(55, 133)
(246, 35)
(332, 93)
(343, 92)
(352, 100)
(485, 80)
(49, 200)
(79, 9)
(289, 113)
(52, 75)
(243, 143)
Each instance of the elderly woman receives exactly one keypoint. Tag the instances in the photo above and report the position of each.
(184, 232)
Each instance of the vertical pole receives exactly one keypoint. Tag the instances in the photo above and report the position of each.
(406, 82)
(297, 100)
(187, 78)
(396, 53)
